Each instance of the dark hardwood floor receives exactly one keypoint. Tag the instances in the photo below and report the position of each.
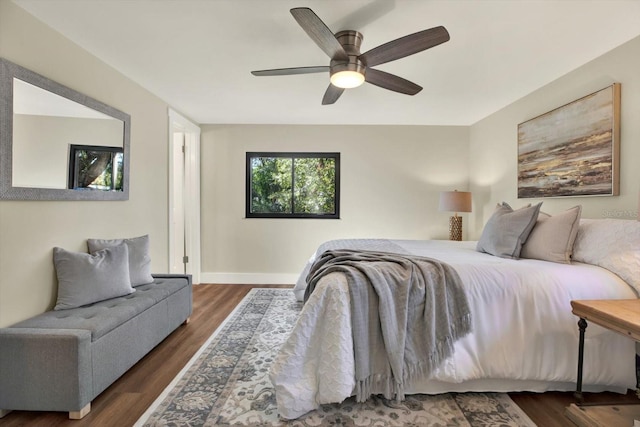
(128, 398)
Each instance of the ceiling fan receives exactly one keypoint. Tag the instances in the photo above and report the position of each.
(348, 67)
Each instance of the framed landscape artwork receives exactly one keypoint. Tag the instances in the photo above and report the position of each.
(572, 150)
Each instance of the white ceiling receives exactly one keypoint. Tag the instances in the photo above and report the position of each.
(197, 54)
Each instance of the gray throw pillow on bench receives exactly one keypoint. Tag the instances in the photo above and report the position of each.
(139, 259)
(87, 278)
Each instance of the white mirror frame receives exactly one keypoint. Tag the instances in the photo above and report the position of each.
(9, 71)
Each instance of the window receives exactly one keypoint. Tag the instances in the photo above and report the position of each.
(293, 185)
(95, 168)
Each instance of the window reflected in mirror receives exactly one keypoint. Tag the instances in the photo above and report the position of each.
(95, 168)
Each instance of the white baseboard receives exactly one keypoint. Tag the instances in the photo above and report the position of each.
(249, 278)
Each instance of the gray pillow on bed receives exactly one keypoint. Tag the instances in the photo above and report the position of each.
(87, 278)
(139, 259)
(507, 230)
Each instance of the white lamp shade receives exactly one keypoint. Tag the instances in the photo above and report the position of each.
(455, 201)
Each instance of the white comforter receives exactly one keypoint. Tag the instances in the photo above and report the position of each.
(524, 334)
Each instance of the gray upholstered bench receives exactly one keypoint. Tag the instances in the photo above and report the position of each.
(61, 360)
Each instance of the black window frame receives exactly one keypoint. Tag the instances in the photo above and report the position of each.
(293, 156)
(73, 169)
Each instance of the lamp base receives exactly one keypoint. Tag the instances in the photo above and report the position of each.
(455, 228)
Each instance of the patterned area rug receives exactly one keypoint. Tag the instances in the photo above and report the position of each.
(226, 383)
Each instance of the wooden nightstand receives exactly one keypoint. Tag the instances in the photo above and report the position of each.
(622, 316)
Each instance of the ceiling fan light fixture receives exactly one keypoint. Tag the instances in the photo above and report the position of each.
(347, 75)
(347, 79)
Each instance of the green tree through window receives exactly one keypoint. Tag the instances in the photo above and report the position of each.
(293, 185)
(95, 167)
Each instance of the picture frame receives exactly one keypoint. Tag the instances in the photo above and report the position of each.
(95, 168)
(573, 150)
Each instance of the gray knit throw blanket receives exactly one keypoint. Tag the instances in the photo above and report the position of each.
(406, 314)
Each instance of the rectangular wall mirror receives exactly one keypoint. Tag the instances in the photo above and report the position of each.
(58, 144)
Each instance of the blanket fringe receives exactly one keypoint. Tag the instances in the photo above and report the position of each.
(444, 349)
(384, 385)
(390, 388)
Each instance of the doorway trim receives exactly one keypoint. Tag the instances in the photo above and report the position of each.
(191, 196)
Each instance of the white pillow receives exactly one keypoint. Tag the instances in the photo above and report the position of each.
(139, 259)
(613, 244)
(84, 278)
(553, 237)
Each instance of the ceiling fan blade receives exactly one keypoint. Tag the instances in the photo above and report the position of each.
(319, 33)
(391, 82)
(332, 94)
(290, 71)
(405, 46)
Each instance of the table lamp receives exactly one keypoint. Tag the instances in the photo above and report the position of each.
(455, 201)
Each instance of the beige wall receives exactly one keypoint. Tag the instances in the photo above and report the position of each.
(493, 140)
(29, 230)
(391, 177)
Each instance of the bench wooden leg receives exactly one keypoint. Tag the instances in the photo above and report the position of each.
(186, 321)
(4, 412)
(77, 415)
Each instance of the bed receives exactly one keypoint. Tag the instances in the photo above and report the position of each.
(524, 336)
